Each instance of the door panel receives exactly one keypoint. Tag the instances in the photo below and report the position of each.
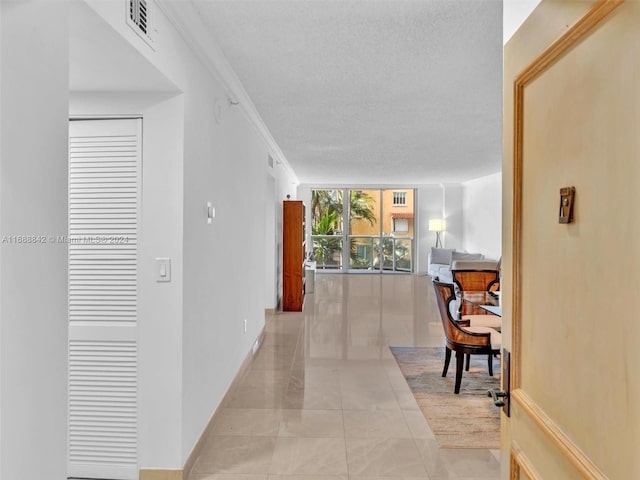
(104, 175)
(575, 388)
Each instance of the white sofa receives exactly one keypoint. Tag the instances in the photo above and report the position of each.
(442, 260)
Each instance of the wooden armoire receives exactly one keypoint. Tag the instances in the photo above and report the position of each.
(293, 252)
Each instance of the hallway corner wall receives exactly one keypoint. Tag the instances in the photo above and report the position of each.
(33, 201)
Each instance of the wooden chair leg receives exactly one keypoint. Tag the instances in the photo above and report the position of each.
(490, 364)
(459, 365)
(466, 367)
(447, 359)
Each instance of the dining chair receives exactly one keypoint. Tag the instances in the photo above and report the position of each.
(477, 277)
(465, 341)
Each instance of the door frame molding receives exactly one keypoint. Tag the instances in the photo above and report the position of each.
(576, 33)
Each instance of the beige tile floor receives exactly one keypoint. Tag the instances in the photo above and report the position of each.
(324, 399)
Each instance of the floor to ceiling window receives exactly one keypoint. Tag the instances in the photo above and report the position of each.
(327, 213)
(379, 229)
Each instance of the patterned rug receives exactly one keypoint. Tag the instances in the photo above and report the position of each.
(466, 420)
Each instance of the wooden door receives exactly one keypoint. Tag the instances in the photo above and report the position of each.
(570, 288)
(104, 178)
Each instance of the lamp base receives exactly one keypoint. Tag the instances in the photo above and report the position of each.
(438, 241)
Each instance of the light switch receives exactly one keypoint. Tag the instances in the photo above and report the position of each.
(163, 269)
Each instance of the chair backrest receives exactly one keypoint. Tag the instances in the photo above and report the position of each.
(476, 280)
(472, 280)
(445, 293)
(479, 275)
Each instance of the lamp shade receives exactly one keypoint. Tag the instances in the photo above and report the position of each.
(437, 225)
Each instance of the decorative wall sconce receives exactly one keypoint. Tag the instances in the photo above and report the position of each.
(437, 225)
(567, 195)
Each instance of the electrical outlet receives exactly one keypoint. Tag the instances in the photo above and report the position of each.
(245, 325)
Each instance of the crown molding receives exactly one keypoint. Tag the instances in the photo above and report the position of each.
(187, 21)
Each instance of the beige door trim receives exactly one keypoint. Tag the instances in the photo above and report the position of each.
(581, 29)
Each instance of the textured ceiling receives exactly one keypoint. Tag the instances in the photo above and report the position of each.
(371, 92)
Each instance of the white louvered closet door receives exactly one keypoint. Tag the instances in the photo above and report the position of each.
(104, 188)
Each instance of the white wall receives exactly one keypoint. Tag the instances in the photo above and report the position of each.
(303, 193)
(270, 244)
(482, 217)
(429, 205)
(159, 324)
(453, 214)
(1, 414)
(33, 200)
(224, 262)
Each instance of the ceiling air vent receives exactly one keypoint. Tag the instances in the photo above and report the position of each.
(138, 18)
(138, 14)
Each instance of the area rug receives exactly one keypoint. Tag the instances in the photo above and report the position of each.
(466, 420)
